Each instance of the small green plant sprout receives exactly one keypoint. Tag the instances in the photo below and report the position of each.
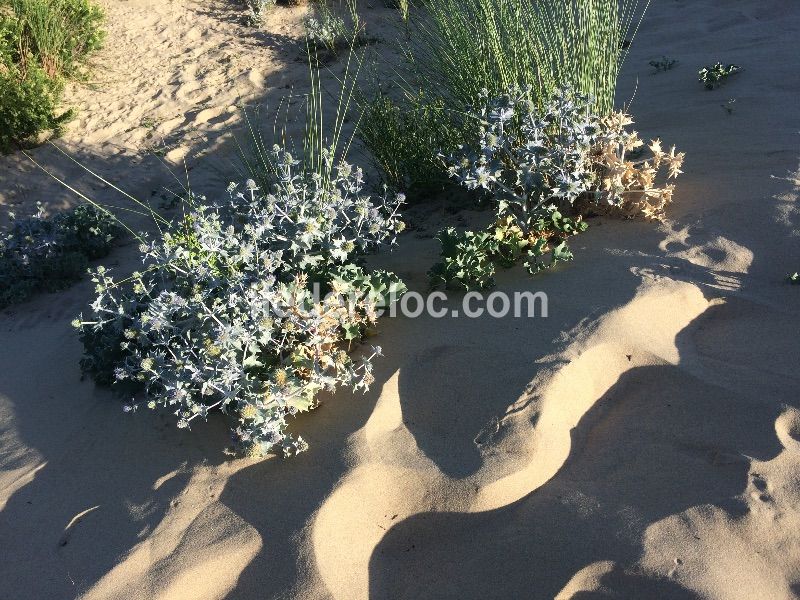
(728, 106)
(257, 11)
(466, 260)
(150, 124)
(794, 278)
(664, 64)
(328, 33)
(713, 77)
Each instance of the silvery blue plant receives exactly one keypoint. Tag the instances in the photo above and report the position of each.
(529, 160)
(224, 314)
(326, 32)
(257, 10)
(535, 162)
(51, 252)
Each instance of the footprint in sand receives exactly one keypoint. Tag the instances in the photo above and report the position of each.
(761, 489)
(215, 118)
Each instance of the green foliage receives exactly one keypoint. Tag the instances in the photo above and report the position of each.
(469, 259)
(464, 47)
(794, 278)
(664, 64)
(551, 231)
(323, 143)
(50, 253)
(714, 76)
(60, 34)
(328, 33)
(42, 42)
(401, 138)
(466, 260)
(28, 105)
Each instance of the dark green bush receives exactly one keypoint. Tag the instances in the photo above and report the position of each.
(42, 43)
(28, 105)
(50, 253)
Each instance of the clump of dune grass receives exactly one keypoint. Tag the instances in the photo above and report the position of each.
(456, 50)
(462, 47)
(42, 44)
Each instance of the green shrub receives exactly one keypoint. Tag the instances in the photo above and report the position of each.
(715, 75)
(42, 43)
(50, 253)
(401, 138)
(28, 105)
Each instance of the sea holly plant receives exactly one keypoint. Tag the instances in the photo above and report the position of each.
(531, 161)
(250, 305)
(257, 10)
(469, 259)
(49, 253)
(328, 33)
(527, 160)
(536, 165)
(714, 76)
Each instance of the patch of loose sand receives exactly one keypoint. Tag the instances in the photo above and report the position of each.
(641, 442)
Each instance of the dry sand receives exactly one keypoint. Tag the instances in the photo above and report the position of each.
(642, 442)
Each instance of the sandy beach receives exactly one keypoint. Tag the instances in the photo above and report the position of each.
(642, 442)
